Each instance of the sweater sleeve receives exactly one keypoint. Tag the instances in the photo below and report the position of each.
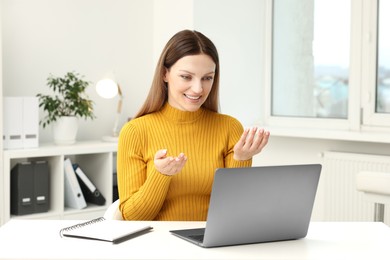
(235, 132)
(142, 190)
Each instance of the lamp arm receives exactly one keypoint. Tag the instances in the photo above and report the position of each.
(115, 132)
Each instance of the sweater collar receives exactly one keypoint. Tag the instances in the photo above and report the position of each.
(180, 116)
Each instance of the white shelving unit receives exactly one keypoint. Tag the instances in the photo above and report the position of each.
(94, 157)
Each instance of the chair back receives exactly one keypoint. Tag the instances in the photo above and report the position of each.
(113, 211)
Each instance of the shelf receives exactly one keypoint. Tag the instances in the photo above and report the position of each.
(339, 135)
(94, 157)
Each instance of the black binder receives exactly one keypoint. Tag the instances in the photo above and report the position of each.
(90, 191)
(22, 189)
(30, 188)
(41, 186)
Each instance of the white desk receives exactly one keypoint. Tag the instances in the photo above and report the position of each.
(39, 239)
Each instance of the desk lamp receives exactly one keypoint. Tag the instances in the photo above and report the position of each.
(107, 88)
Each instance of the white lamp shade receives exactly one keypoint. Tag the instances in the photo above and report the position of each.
(107, 88)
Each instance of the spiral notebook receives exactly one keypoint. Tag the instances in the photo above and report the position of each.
(114, 231)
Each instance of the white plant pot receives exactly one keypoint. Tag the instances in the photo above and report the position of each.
(65, 130)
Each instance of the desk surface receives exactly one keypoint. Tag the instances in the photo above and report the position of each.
(39, 239)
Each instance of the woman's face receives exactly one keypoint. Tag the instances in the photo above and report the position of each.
(190, 81)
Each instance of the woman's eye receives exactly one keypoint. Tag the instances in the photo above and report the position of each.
(208, 78)
(185, 77)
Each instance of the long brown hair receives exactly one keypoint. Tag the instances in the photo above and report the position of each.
(182, 44)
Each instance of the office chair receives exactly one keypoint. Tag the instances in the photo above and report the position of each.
(376, 188)
(113, 211)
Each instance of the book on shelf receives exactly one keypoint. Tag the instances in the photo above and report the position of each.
(74, 197)
(91, 193)
(102, 229)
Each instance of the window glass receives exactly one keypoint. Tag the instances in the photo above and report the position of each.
(383, 71)
(310, 70)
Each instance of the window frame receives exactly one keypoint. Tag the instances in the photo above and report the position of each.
(371, 119)
(362, 77)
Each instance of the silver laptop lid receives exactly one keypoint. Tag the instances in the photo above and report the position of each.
(261, 204)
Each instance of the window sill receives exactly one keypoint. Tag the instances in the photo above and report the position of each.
(355, 136)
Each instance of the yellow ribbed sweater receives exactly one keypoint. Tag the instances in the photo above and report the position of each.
(206, 138)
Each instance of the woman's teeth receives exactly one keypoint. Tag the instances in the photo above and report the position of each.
(192, 97)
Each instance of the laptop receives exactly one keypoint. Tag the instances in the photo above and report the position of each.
(257, 204)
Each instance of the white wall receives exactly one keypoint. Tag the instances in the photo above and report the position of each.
(92, 37)
(169, 17)
(237, 29)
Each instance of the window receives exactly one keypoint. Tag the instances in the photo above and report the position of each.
(311, 58)
(383, 67)
(376, 65)
(329, 65)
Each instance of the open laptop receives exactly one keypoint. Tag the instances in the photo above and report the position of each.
(257, 204)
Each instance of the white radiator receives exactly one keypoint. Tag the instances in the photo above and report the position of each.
(342, 202)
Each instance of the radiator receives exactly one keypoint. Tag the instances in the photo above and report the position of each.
(342, 202)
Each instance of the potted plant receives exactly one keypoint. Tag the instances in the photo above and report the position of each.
(68, 103)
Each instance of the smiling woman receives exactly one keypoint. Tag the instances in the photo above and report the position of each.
(167, 155)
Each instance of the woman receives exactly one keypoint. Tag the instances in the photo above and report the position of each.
(168, 153)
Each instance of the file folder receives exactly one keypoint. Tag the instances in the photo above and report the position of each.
(41, 186)
(30, 128)
(22, 189)
(13, 122)
(91, 193)
(74, 197)
(21, 122)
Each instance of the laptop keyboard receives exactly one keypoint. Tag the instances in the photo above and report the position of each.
(197, 237)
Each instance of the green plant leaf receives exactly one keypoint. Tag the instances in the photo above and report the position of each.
(69, 98)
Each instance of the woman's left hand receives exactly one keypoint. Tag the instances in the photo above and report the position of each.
(252, 141)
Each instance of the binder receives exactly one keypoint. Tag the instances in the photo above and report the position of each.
(22, 189)
(21, 122)
(91, 193)
(41, 186)
(13, 122)
(30, 122)
(74, 197)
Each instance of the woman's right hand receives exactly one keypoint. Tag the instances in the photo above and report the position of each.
(169, 165)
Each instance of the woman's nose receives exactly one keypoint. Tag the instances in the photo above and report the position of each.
(197, 86)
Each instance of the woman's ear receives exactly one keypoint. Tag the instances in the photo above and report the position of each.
(166, 71)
